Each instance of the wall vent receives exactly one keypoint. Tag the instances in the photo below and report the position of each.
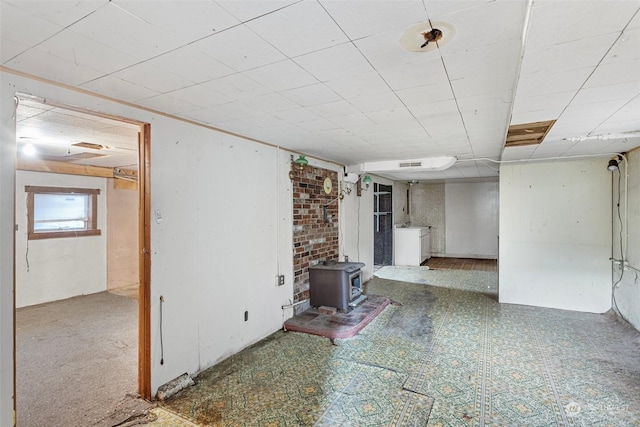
(410, 164)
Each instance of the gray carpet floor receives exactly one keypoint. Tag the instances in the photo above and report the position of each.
(77, 362)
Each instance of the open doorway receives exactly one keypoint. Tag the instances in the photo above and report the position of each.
(382, 224)
(81, 276)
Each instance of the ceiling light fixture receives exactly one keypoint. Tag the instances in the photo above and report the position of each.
(614, 164)
(431, 36)
(298, 164)
(366, 181)
(29, 149)
(427, 36)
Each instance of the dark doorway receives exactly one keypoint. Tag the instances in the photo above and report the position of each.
(382, 224)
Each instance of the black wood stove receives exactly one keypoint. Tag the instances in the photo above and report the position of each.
(336, 284)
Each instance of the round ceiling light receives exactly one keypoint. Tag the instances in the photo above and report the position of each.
(414, 38)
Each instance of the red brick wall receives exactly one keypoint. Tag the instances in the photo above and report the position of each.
(314, 240)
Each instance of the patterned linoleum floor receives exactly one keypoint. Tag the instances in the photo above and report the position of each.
(437, 357)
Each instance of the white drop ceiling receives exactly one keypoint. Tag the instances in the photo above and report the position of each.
(330, 79)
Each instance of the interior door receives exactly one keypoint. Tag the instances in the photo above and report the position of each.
(382, 224)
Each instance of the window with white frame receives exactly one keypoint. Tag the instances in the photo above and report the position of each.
(54, 212)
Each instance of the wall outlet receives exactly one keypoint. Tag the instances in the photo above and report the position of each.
(280, 280)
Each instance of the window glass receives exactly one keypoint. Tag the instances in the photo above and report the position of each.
(60, 212)
(55, 212)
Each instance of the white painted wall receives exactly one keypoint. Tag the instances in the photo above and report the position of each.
(555, 235)
(7, 191)
(400, 208)
(358, 226)
(428, 209)
(627, 292)
(471, 210)
(59, 268)
(226, 234)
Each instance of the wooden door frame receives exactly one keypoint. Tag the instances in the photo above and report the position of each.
(144, 260)
(144, 269)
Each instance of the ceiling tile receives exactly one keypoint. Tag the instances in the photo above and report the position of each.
(626, 48)
(265, 120)
(495, 85)
(237, 86)
(517, 153)
(619, 126)
(415, 75)
(188, 21)
(60, 12)
(550, 149)
(613, 73)
(472, 32)
(112, 26)
(317, 125)
(273, 102)
(334, 109)
(10, 48)
(14, 20)
(239, 48)
(54, 68)
(192, 64)
(593, 111)
(361, 19)
(385, 51)
(200, 96)
(311, 95)
(246, 10)
(353, 122)
(628, 112)
(553, 82)
(500, 57)
(281, 76)
(377, 102)
(335, 62)
(425, 94)
(297, 115)
(365, 84)
(435, 109)
(567, 56)
(118, 88)
(84, 51)
(612, 92)
(287, 73)
(220, 113)
(288, 29)
(390, 115)
(559, 22)
(168, 103)
(151, 77)
(547, 106)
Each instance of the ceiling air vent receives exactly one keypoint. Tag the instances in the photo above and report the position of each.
(410, 164)
(528, 133)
